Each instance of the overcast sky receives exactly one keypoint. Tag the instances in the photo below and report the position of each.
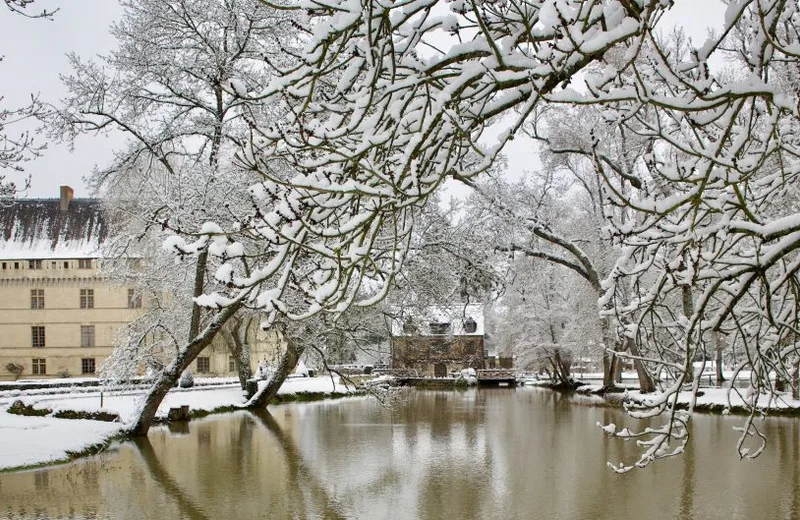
(35, 54)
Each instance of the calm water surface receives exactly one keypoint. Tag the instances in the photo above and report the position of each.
(496, 453)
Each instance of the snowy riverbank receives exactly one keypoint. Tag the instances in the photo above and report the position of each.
(33, 441)
(715, 400)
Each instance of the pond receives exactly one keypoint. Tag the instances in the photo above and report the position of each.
(487, 453)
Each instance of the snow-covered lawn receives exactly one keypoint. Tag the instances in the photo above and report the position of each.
(716, 397)
(27, 441)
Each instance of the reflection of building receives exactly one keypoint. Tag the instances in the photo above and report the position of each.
(439, 341)
(59, 316)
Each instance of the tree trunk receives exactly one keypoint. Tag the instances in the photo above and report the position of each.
(718, 358)
(796, 378)
(236, 340)
(618, 362)
(688, 311)
(199, 286)
(170, 374)
(646, 384)
(243, 368)
(287, 363)
(562, 368)
(608, 355)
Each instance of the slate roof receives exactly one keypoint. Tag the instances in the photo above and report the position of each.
(456, 315)
(38, 228)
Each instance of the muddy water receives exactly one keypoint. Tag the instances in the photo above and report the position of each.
(496, 453)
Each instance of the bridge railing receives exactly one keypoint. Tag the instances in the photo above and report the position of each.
(496, 373)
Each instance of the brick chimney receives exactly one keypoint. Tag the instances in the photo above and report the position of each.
(66, 196)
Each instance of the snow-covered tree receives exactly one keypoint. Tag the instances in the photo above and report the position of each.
(384, 111)
(176, 86)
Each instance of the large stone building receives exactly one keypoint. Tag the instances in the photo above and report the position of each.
(59, 315)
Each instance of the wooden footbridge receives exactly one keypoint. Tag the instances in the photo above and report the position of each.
(488, 377)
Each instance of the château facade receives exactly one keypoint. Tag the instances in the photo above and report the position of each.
(59, 315)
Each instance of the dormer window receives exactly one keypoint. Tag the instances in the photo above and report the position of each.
(409, 327)
(440, 328)
(470, 327)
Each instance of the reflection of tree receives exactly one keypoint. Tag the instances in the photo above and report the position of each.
(686, 506)
(166, 482)
(301, 478)
(795, 507)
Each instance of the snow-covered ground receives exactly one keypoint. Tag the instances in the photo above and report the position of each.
(717, 397)
(28, 441)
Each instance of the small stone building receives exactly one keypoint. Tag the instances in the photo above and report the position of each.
(439, 341)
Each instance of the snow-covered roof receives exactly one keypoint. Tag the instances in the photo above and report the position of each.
(39, 228)
(464, 320)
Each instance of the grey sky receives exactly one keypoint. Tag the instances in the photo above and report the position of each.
(35, 55)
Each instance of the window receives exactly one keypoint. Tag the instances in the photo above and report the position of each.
(134, 300)
(34, 264)
(4, 265)
(53, 265)
(87, 298)
(409, 327)
(203, 365)
(87, 365)
(440, 328)
(84, 263)
(438, 346)
(37, 336)
(469, 347)
(87, 335)
(231, 364)
(66, 265)
(38, 366)
(16, 265)
(37, 298)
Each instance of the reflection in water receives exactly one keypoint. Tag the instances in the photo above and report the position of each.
(186, 504)
(307, 493)
(477, 454)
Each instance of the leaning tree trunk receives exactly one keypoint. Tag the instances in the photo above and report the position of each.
(287, 363)
(796, 378)
(564, 368)
(646, 384)
(608, 356)
(170, 374)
